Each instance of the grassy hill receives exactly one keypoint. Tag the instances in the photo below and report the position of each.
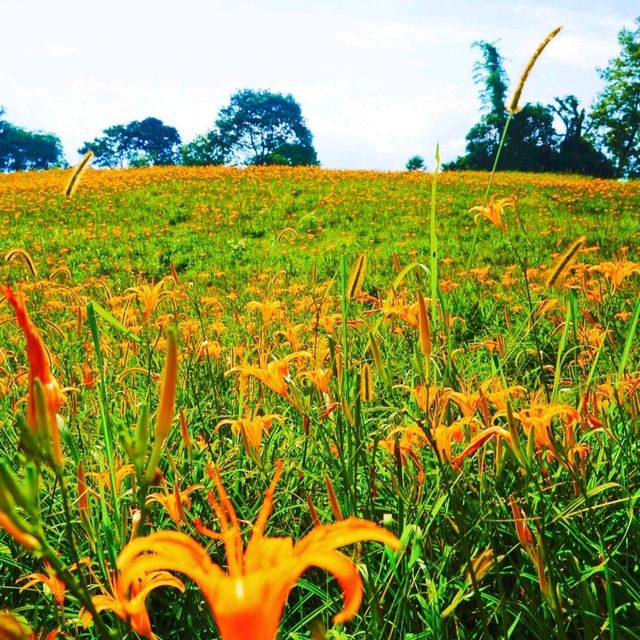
(482, 404)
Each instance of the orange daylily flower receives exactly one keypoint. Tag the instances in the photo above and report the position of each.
(267, 309)
(274, 374)
(426, 396)
(122, 471)
(175, 502)
(11, 628)
(128, 604)
(444, 435)
(499, 396)
(478, 441)
(293, 335)
(320, 378)
(471, 401)
(539, 417)
(38, 370)
(151, 296)
(251, 429)
(408, 312)
(494, 210)
(248, 598)
(54, 584)
(616, 271)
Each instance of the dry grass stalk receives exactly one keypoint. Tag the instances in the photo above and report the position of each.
(74, 180)
(513, 105)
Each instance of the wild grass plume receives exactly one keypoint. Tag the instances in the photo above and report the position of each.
(564, 261)
(76, 175)
(514, 105)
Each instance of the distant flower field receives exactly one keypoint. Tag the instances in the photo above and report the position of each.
(322, 404)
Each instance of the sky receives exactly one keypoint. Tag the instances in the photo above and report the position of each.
(378, 80)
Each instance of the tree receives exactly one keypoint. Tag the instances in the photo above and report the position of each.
(21, 150)
(261, 127)
(483, 138)
(139, 143)
(158, 142)
(491, 76)
(202, 150)
(616, 112)
(576, 152)
(531, 138)
(415, 163)
(111, 149)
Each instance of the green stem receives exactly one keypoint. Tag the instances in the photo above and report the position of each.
(503, 138)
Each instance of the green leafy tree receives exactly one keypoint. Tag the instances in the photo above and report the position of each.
(483, 138)
(203, 150)
(531, 140)
(261, 127)
(139, 143)
(489, 73)
(21, 150)
(415, 163)
(576, 151)
(616, 112)
(110, 149)
(157, 142)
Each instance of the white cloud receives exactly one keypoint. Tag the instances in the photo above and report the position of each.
(402, 36)
(582, 50)
(54, 50)
(378, 80)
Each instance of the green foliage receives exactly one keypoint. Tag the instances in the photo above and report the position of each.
(531, 142)
(201, 151)
(21, 150)
(616, 112)
(139, 143)
(491, 76)
(261, 128)
(576, 152)
(415, 163)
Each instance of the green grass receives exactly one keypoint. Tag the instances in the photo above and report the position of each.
(215, 239)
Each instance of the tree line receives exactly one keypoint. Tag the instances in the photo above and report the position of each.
(263, 128)
(255, 128)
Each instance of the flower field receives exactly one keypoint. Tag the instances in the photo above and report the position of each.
(322, 404)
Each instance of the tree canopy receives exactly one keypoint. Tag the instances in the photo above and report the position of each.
(256, 128)
(139, 143)
(21, 150)
(416, 163)
(531, 142)
(616, 112)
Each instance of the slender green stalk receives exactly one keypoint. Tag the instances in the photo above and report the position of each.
(433, 262)
(487, 191)
(629, 341)
(105, 422)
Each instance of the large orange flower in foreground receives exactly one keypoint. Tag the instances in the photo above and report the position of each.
(247, 600)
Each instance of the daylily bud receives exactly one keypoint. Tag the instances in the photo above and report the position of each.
(167, 404)
(44, 402)
(168, 390)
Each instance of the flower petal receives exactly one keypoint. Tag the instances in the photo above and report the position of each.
(338, 534)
